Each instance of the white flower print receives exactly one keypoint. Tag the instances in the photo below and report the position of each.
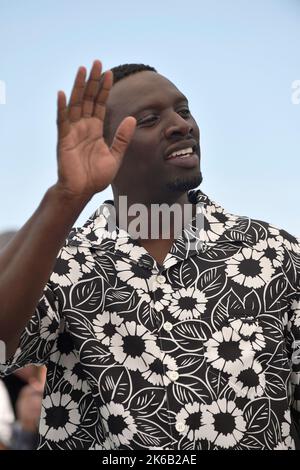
(273, 230)
(271, 249)
(281, 446)
(249, 330)
(134, 347)
(59, 417)
(250, 268)
(225, 350)
(134, 251)
(49, 327)
(190, 416)
(66, 271)
(222, 423)
(118, 423)
(159, 370)
(75, 374)
(212, 229)
(105, 223)
(187, 303)
(162, 296)
(286, 430)
(138, 358)
(248, 379)
(292, 244)
(105, 326)
(64, 351)
(228, 220)
(137, 277)
(295, 306)
(84, 258)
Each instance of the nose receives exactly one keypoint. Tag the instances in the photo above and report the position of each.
(178, 126)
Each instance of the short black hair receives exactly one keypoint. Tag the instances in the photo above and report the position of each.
(122, 71)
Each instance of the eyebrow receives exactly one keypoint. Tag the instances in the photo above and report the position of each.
(153, 104)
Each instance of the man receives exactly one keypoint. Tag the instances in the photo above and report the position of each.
(186, 341)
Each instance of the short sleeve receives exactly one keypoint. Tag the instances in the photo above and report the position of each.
(293, 329)
(7, 416)
(38, 337)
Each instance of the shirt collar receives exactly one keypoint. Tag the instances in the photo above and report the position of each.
(218, 226)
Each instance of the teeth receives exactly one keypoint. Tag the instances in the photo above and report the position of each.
(185, 152)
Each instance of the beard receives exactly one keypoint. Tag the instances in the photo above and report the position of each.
(185, 184)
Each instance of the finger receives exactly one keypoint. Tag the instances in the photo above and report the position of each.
(123, 137)
(104, 89)
(91, 89)
(36, 385)
(75, 102)
(63, 125)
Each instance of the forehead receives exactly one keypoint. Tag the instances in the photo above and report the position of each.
(139, 90)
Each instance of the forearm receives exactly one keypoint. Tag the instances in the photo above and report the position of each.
(28, 260)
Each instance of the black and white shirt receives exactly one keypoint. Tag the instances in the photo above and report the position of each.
(200, 353)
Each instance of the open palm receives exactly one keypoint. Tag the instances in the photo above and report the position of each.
(86, 165)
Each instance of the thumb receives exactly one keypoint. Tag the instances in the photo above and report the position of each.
(122, 137)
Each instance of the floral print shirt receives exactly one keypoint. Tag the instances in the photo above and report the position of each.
(200, 353)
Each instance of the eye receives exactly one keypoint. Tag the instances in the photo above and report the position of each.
(145, 121)
(185, 111)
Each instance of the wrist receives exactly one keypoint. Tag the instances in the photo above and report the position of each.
(67, 198)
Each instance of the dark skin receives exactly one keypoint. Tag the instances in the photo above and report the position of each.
(87, 164)
(163, 119)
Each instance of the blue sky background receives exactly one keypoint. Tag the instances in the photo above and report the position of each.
(234, 59)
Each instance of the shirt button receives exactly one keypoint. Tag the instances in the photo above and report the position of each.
(204, 247)
(173, 375)
(180, 427)
(160, 279)
(168, 326)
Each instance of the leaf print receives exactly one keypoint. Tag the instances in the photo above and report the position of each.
(272, 434)
(88, 411)
(220, 253)
(272, 328)
(230, 302)
(257, 415)
(217, 380)
(136, 351)
(115, 384)
(189, 388)
(257, 231)
(273, 292)
(78, 323)
(291, 264)
(87, 296)
(148, 401)
(250, 443)
(212, 282)
(190, 363)
(105, 267)
(120, 296)
(166, 416)
(252, 302)
(92, 354)
(148, 317)
(186, 444)
(185, 274)
(150, 434)
(188, 335)
(275, 387)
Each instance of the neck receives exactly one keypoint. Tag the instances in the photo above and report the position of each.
(153, 218)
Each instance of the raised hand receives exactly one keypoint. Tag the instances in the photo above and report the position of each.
(86, 165)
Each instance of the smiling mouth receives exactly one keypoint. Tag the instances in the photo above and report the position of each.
(181, 153)
(185, 160)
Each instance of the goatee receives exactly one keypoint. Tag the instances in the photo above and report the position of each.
(185, 184)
